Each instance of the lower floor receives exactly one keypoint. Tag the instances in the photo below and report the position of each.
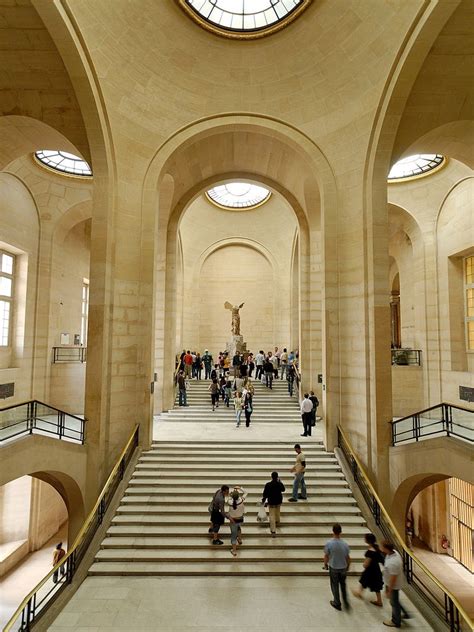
(220, 604)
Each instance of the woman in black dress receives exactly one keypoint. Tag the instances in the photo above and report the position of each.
(371, 577)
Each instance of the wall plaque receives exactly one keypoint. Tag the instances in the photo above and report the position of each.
(466, 393)
(7, 390)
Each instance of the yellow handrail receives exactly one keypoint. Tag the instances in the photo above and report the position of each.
(397, 535)
(78, 539)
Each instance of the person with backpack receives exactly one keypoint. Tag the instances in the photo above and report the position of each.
(236, 513)
(315, 401)
(214, 391)
(273, 497)
(217, 511)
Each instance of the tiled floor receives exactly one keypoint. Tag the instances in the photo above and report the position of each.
(280, 604)
(454, 576)
(18, 583)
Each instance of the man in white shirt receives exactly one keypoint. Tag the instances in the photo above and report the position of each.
(283, 363)
(298, 470)
(259, 360)
(306, 408)
(393, 579)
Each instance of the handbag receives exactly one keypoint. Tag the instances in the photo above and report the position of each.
(261, 513)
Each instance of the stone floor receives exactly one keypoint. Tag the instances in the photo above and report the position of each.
(20, 580)
(279, 604)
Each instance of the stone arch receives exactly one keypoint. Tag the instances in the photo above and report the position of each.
(217, 148)
(74, 215)
(20, 135)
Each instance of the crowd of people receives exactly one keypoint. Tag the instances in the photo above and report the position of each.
(231, 380)
(229, 505)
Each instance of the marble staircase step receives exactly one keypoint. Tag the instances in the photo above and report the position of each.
(252, 542)
(200, 520)
(135, 497)
(255, 529)
(234, 567)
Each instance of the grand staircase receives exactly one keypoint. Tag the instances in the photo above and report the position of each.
(270, 406)
(161, 525)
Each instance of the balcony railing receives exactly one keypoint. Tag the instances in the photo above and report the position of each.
(441, 420)
(406, 357)
(34, 417)
(69, 354)
(47, 591)
(429, 588)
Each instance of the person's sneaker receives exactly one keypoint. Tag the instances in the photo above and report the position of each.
(390, 624)
(210, 530)
(303, 435)
(407, 616)
(302, 497)
(216, 542)
(274, 534)
(334, 605)
(292, 500)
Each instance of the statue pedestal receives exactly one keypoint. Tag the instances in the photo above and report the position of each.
(236, 344)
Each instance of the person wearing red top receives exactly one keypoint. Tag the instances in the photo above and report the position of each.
(188, 364)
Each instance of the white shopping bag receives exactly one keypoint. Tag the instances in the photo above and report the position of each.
(261, 513)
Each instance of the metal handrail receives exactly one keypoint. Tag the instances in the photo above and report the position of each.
(417, 431)
(69, 355)
(378, 510)
(31, 422)
(98, 510)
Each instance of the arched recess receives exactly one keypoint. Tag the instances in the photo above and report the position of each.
(280, 157)
(21, 135)
(413, 51)
(251, 245)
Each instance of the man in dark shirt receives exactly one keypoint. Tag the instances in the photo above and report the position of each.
(315, 402)
(272, 495)
(181, 382)
(236, 362)
(268, 370)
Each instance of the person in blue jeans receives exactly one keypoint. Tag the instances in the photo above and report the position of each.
(298, 470)
(338, 559)
(393, 578)
(181, 381)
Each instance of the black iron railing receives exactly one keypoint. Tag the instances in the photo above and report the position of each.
(69, 354)
(406, 357)
(48, 590)
(35, 417)
(432, 591)
(441, 420)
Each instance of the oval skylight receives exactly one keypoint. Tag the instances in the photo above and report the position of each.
(235, 195)
(63, 161)
(416, 165)
(243, 15)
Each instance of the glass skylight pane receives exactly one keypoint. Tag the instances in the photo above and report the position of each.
(63, 161)
(415, 165)
(243, 15)
(238, 195)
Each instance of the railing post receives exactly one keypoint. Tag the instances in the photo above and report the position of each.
(393, 429)
(448, 414)
(61, 423)
(416, 426)
(101, 510)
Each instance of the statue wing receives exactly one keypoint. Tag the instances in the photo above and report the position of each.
(228, 305)
(241, 305)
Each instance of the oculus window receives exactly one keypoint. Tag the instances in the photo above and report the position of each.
(64, 162)
(243, 16)
(238, 195)
(416, 165)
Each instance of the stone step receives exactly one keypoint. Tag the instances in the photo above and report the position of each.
(207, 469)
(200, 520)
(297, 531)
(133, 497)
(218, 555)
(238, 452)
(314, 491)
(198, 511)
(243, 445)
(230, 459)
(235, 567)
(254, 542)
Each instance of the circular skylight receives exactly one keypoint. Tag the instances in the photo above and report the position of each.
(243, 15)
(416, 165)
(63, 161)
(235, 195)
